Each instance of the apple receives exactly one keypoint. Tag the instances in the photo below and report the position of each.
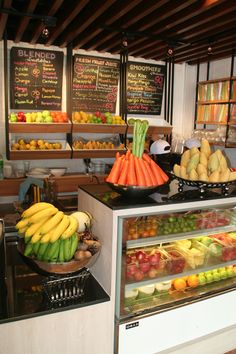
(33, 116)
(216, 276)
(39, 119)
(28, 117)
(223, 274)
(13, 117)
(209, 277)
(154, 258)
(48, 119)
(140, 255)
(152, 272)
(21, 117)
(39, 114)
(45, 114)
(145, 267)
(202, 279)
(139, 275)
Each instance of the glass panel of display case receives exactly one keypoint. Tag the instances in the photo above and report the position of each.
(170, 257)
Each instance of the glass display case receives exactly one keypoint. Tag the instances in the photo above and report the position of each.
(167, 260)
(173, 257)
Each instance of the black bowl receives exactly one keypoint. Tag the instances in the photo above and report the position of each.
(134, 191)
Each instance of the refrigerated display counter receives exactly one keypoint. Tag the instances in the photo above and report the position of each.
(168, 262)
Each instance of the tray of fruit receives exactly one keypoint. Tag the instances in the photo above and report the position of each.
(135, 174)
(52, 242)
(204, 168)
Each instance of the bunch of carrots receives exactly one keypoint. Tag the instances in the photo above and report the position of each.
(136, 168)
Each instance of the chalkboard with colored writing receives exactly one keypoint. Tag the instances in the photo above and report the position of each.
(35, 79)
(95, 84)
(145, 88)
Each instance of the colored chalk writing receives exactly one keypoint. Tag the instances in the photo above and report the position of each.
(35, 79)
(95, 84)
(145, 88)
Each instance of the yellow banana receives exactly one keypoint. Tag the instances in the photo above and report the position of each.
(43, 214)
(71, 228)
(22, 230)
(36, 237)
(22, 223)
(52, 222)
(36, 208)
(46, 237)
(58, 231)
(35, 227)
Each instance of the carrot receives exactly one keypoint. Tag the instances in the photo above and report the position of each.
(124, 173)
(147, 158)
(145, 172)
(117, 155)
(127, 154)
(115, 171)
(150, 172)
(139, 173)
(159, 171)
(131, 178)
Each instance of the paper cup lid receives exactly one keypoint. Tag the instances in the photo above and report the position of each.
(189, 143)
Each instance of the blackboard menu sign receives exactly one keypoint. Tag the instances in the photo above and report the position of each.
(35, 79)
(95, 83)
(145, 88)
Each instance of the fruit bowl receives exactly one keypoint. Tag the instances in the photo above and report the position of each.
(135, 191)
(46, 268)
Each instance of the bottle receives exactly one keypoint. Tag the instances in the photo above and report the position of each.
(1, 167)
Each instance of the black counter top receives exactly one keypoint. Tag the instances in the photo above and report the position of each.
(167, 194)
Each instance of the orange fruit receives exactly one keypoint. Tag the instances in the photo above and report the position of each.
(179, 284)
(193, 281)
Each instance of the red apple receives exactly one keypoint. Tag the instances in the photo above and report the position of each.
(144, 267)
(154, 258)
(152, 272)
(139, 275)
(140, 255)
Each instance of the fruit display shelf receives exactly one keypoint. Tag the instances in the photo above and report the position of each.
(22, 127)
(38, 154)
(95, 153)
(99, 128)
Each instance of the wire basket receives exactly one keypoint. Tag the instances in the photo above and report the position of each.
(66, 289)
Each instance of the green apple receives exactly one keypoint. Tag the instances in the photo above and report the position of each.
(48, 119)
(202, 279)
(209, 278)
(13, 117)
(39, 115)
(28, 117)
(216, 276)
(45, 114)
(39, 119)
(223, 274)
(107, 114)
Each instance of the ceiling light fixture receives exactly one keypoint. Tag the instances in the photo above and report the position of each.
(170, 52)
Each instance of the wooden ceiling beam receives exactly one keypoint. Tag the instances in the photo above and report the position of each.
(84, 38)
(222, 55)
(51, 12)
(32, 4)
(129, 19)
(65, 21)
(94, 11)
(4, 17)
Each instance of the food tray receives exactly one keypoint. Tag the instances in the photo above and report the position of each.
(134, 191)
(201, 185)
(196, 257)
(47, 268)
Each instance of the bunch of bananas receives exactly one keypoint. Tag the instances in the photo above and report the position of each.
(49, 234)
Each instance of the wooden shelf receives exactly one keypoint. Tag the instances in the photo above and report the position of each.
(211, 123)
(99, 153)
(65, 184)
(230, 145)
(213, 102)
(152, 129)
(232, 122)
(213, 81)
(99, 128)
(39, 154)
(40, 127)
